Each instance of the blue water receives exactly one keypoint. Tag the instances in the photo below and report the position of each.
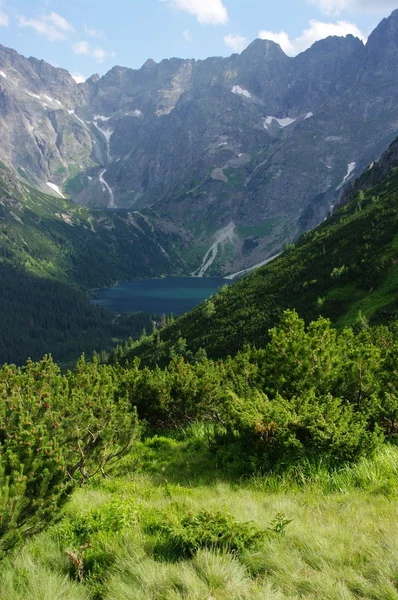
(175, 295)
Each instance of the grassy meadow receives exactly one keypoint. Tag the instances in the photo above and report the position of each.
(154, 530)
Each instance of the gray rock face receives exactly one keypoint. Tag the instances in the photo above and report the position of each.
(374, 174)
(241, 154)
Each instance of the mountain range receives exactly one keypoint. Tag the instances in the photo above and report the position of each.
(235, 156)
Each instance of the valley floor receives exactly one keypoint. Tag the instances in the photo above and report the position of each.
(341, 543)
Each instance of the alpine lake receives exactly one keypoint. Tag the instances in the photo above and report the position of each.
(165, 295)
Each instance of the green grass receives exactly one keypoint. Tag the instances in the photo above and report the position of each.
(342, 542)
(76, 184)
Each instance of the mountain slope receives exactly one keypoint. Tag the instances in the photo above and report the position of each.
(52, 252)
(346, 267)
(54, 237)
(259, 143)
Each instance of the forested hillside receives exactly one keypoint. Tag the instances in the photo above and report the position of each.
(52, 252)
(346, 270)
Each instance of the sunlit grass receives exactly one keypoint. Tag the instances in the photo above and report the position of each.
(341, 544)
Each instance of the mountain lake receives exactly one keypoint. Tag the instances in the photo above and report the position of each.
(167, 295)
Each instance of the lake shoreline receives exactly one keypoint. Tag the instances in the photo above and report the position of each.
(227, 278)
(161, 295)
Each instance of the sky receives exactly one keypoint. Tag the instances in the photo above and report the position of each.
(91, 36)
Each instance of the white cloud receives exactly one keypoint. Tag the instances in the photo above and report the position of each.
(58, 22)
(236, 42)
(96, 33)
(336, 7)
(4, 20)
(316, 31)
(42, 28)
(78, 77)
(281, 38)
(207, 12)
(187, 35)
(52, 26)
(81, 48)
(99, 54)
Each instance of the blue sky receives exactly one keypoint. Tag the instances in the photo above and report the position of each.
(90, 36)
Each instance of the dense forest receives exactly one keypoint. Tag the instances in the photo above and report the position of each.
(41, 314)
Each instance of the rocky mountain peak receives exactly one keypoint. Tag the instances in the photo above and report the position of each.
(336, 45)
(149, 64)
(383, 41)
(264, 50)
(94, 78)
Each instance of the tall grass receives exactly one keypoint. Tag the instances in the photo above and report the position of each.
(27, 578)
(208, 575)
(377, 474)
(342, 543)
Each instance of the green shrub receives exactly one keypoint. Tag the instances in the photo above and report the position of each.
(33, 479)
(112, 517)
(55, 432)
(261, 434)
(180, 537)
(88, 537)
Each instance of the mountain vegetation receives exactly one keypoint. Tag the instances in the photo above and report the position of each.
(236, 458)
(183, 476)
(52, 253)
(283, 136)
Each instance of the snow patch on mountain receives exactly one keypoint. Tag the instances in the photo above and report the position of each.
(105, 132)
(72, 113)
(105, 186)
(281, 122)
(350, 168)
(55, 188)
(240, 91)
(3, 74)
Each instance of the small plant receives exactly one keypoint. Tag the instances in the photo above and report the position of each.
(77, 559)
(279, 524)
